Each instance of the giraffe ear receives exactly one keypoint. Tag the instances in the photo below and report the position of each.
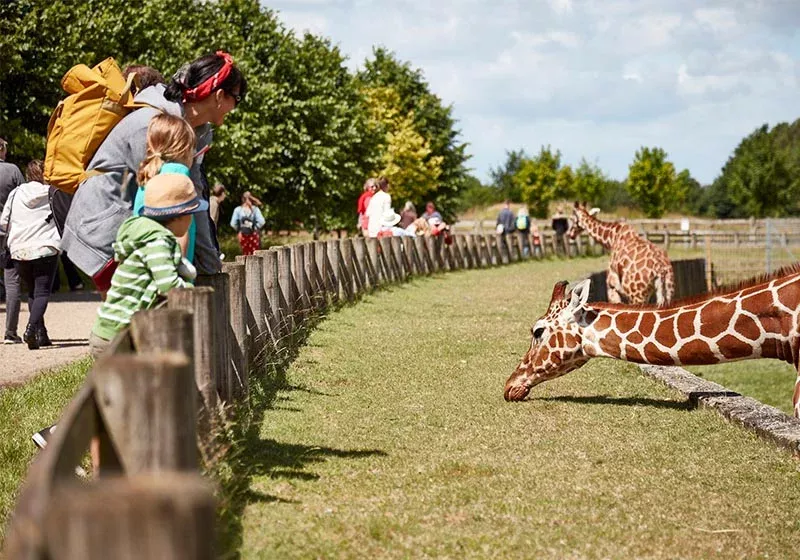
(580, 294)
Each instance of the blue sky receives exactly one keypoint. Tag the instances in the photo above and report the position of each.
(594, 78)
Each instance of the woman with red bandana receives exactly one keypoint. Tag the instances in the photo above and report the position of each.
(202, 92)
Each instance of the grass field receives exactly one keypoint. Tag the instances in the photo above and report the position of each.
(23, 411)
(389, 437)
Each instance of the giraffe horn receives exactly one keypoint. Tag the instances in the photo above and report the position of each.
(559, 290)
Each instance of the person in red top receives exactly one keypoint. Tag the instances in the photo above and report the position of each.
(370, 186)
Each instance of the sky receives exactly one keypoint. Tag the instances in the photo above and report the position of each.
(595, 79)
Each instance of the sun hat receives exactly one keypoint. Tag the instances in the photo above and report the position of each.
(389, 218)
(170, 196)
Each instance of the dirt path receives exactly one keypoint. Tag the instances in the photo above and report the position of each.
(69, 318)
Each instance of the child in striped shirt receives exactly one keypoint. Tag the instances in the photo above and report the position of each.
(149, 256)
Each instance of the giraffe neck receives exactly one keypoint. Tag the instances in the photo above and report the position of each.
(602, 232)
(758, 322)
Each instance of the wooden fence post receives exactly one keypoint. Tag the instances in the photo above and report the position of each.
(365, 263)
(255, 307)
(220, 329)
(403, 266)
(494, 250)
(353, 270)
(339, 269)
(579, 245)
(287, 288)
(315, 287)
(147, 404)
(388, 259)
(326, 271)
(170, 516)
(302, 304)
(426, 264)
(199, 301)
(410, 250)
(275, 320)
(474, 241)
(240, 360)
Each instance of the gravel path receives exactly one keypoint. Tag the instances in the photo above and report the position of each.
(69, 319)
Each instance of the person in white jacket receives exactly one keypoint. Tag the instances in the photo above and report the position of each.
(34, 244)
(379, 204)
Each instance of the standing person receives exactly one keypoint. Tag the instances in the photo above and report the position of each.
(379, 204)
(203, 92)
(560, 225)
(10, 179)
(34, 245)
(217, 197)
(523, 226)
(407, 215)
(370, 185)
(431, 212)
(247, 220)
(505, 219)
(74, 280)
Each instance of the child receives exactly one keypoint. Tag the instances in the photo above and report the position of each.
(170, 149)
(150, 264)
(148, 254)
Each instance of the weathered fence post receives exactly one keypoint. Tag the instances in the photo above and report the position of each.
(148, 408)
(326, 272)
(353, 271)
(220, 329)
(424, 255)
(170, 516)
(287, 288)
(240, 363)
(402, 265)
(302, 305)
(339, 268)
(364, 262)
(255, 306)
(316, 288)
(199, 302)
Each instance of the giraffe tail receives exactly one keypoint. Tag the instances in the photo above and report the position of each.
(665, 286)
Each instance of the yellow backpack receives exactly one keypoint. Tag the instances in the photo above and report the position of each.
(98, 99)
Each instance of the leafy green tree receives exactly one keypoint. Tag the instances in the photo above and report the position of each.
(761, 177)
(590, 185)
(537, 180)
(503, 175)
(652, 182)
(476, 195)
(405, 156)
(565, 183)
(432, 119)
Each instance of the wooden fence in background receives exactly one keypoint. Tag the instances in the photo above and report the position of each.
(690, 280)
(157, 393)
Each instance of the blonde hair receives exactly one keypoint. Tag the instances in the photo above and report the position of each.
(169, 138)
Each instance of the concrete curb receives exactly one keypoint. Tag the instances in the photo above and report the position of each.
(766, 421)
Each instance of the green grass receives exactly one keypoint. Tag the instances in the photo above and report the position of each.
(768, 381)
(389, 437)
(23, 411)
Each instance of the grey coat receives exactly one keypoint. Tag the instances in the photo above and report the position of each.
(103, 202)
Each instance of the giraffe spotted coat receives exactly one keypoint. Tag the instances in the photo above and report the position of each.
(637, 268)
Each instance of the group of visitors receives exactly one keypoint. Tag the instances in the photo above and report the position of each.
(141, 221)
(377, 218)
(521, 225)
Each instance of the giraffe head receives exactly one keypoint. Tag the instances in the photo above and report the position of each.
(579, 217)
(556, 344)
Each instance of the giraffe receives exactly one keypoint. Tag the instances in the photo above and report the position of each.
(755, 320)
(637, 267)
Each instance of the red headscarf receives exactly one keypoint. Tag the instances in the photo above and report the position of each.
(210, 85)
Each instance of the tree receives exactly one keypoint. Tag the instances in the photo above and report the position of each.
(432, 119)
(761, 177)
(565, 183)
(537, 181)
(652, 182)
(405, 155)
(503, 176)
(591, 184)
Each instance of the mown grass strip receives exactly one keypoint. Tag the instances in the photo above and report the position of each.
(23, 411)
(389, 437)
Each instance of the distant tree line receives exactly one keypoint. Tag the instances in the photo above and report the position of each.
(307, 135)
(760, 179)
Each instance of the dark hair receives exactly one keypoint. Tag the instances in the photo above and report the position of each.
(195, 73)
(35, 171)
(383, 182)
(3, 144)
(147, 75)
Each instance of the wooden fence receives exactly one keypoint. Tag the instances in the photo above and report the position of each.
(691, 279)
(161, 386)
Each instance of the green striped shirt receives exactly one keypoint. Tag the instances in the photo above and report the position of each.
(148, 255)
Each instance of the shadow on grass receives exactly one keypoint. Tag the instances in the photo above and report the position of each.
(249, 456)
(621, 401)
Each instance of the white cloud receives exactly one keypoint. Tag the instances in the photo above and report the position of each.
(594, 78)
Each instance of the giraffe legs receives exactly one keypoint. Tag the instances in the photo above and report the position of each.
(613, 287)
(796, 396)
